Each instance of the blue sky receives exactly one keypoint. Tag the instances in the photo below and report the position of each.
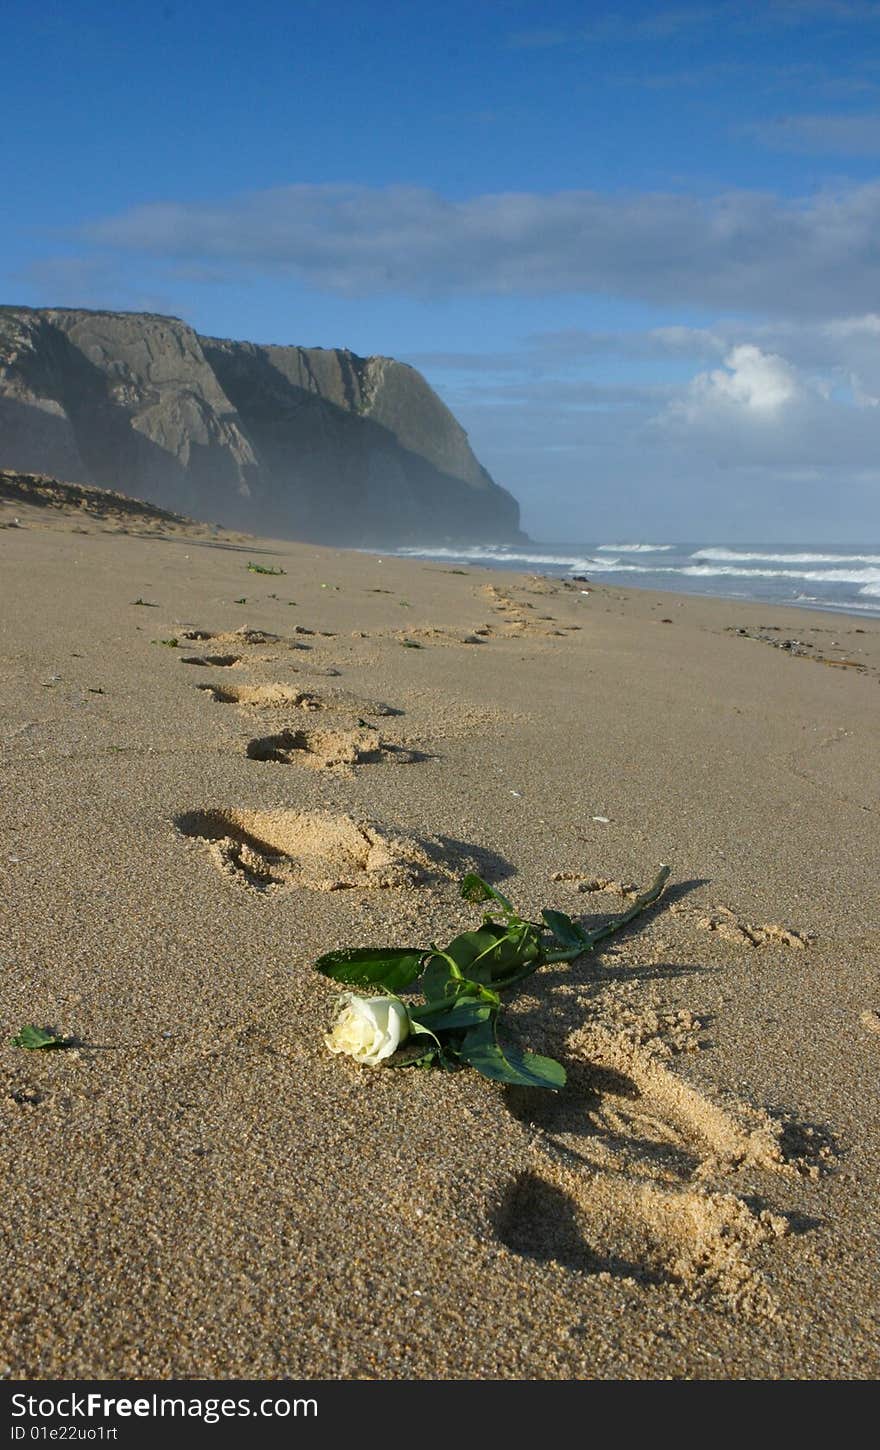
(636, 248)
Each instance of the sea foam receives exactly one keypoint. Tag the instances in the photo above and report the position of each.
(741, 555)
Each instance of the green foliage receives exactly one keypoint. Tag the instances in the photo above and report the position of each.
(394, 969)
(462, 983)
(566, 932)
(172, 643)
(264, 569)
(474, 888)
(482, 1050)
(37, 1037)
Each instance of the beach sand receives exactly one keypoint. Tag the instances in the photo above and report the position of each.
(200, 1189)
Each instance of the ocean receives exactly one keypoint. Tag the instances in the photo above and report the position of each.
(816, 576)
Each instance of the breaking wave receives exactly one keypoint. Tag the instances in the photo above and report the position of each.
(833, 556)
(634, 548)
(487, 553)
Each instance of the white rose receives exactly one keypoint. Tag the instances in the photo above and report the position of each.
(369, 1029)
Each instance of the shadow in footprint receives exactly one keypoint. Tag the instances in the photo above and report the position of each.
(463, 856)
(325, 851)
(798, 1223)
(328, 749)
(570, 1112)
(538, 1221)
(811, 1146)
(596, 1096)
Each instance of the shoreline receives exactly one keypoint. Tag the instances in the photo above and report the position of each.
(207, 1191)
(583, 562)
(40, 496)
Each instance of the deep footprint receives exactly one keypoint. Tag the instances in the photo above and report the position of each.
(698, 1243)
(539, 1221)
(743, 933)
(314, 849)
(631, 1169)
(221, 662)
(279, 697)
(264, 697)
(650, 1119)
(241, 636)
(339, 750)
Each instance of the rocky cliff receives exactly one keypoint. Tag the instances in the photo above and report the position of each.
(298, 442)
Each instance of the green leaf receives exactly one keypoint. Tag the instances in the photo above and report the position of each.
(262, 569)
(459, 1014)
(492, 953)
(34, 1037)
(470, 946)
(508, 1064)
(388, 967)
(437, 979)
(474, 888)
(565, 930)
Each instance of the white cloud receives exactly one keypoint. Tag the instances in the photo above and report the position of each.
(758, 382)
(761, 414)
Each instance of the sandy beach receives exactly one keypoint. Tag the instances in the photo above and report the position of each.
(209, 776)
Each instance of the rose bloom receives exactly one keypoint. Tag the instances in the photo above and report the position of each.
(369, 1029)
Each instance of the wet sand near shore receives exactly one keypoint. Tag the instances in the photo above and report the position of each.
(210, 775)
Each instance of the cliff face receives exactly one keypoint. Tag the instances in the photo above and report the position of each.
(299, 442)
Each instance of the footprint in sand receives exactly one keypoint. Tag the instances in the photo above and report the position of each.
(448, 638)
(220, 662)
(694, 1243)
(631, 1174)
(265, 697)
(515, 622)
(313, 849)
(725, 924)
(238, 637)
(584, 881)
(281, 697)
(334, 750)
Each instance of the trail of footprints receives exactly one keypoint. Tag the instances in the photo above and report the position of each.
(635, 1170)
(283, 849)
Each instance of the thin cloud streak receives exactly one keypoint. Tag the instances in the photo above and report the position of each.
(744, 252)
(820, 134)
